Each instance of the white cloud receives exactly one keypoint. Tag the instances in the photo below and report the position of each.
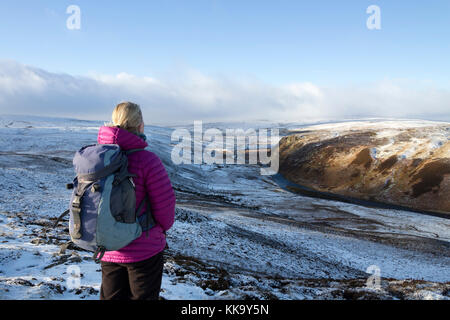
(191, 95)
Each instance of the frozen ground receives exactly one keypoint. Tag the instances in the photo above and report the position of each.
(237, 234)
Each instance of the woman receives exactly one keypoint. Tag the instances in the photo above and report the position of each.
(135, 272)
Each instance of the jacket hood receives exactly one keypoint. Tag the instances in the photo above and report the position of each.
(126, 140)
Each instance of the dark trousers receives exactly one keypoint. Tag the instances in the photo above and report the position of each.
(132, 281)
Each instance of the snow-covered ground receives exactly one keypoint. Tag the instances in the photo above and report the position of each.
(237, 234)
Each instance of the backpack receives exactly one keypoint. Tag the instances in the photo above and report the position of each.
(103, 215)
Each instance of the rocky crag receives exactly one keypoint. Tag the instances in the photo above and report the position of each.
(404, 163)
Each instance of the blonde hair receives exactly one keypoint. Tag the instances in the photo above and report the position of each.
(128, 116)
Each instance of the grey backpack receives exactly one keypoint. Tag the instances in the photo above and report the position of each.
(103, 215)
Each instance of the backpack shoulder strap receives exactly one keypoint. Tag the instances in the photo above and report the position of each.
(128, 152)
(146, 220)
(123, 173)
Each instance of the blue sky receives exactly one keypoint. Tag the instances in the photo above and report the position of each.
(276, 43)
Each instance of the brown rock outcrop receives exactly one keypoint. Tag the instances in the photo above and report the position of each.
(404, 163)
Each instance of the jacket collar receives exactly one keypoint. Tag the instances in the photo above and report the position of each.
(126, 140)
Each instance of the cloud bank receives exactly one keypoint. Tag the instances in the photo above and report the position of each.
(190, 95)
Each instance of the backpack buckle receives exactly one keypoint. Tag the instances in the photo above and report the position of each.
(76, 207)
(95, 188)
(76, 203)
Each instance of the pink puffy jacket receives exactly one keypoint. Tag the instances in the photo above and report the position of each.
(151, 180)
